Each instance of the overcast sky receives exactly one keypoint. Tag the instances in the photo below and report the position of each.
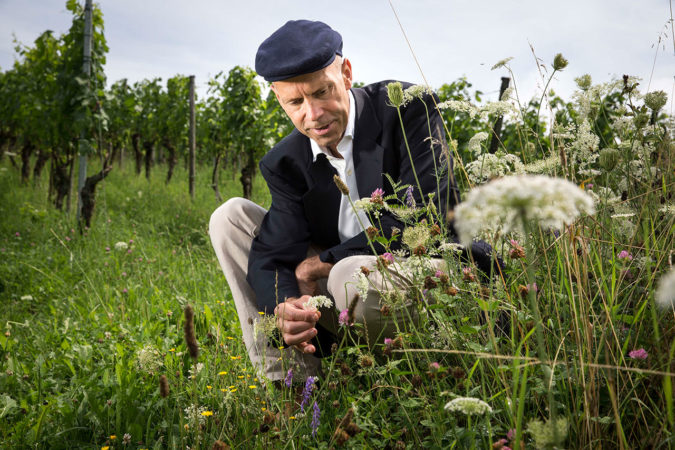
(161, 38)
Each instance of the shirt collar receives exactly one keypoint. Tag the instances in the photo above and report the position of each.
(349, 131)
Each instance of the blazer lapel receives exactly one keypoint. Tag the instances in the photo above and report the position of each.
(367, 153)
(322, 203)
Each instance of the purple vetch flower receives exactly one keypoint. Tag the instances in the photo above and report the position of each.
(343, 318)
(388, 256)
(306, 392)
(289, 378)
(439, 273)
(625, 256)
(409, 199)
(387, 342)
(316, 413)
(640, 353)
(511, 434)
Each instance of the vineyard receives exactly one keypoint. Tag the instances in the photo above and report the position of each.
(119, 330)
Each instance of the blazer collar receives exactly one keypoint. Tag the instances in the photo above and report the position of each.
(367, 153)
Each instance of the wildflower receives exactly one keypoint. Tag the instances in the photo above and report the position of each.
(387, 257)
(500, 444)
(409, 198)
(120, 246)
(468, 406)
(342, 187)
(517, 251)
(489, 166)
(17, 234)
(624, 256)
(467, 274)
(372, 232)
(318, 301)
(343, 318)
(377, 196)
(149, 358)
(26, 298)
(509, 201)
(395, 94)
(665, 293)
(126, 439)
(640, 353)
(365, 361)
(584, 82)
(163, 386)
(656, 100)
(306, 392)
(609, 158)
(544, 434)
(501, 63)
(113, 437)
(125, 291)
(189, 331)
(429, 283)
(416, 236)
(362, 285)
(559, 62)
(434, 367)
(207, 413)
(474, 145)
(416, 91)
(288, 381)
(316, 413)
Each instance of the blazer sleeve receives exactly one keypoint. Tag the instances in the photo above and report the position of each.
(426, 162)
(281, 244)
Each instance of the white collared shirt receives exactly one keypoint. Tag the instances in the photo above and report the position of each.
(348, 223)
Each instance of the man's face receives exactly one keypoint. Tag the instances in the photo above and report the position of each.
(318, 103)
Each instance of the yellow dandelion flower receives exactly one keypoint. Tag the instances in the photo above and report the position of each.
(240, 376)
(255, 379)
(281, 347)
(208, 387)
(105, 447)
(172, 349)
(235, 357)
(207, 413)
(253, 386)
(230, 338)
(292, 418)
(264, 409)
(222, 390)
(222, 373)
(261, 313)
(113, 437)
(233, 390)
(186, 426)
(231, 387)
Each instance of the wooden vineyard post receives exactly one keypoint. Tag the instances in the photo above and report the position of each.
(191, 138)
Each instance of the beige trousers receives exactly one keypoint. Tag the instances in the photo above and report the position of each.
(232, 228)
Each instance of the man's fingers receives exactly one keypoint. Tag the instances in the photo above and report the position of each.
(294, 327)
(291, 312)
(305, 347)
(295, 339)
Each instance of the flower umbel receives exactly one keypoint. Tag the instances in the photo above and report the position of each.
(665, 293)
(468, 406)
(552, 202)
(318, 301)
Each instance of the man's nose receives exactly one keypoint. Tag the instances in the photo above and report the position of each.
(313, 110)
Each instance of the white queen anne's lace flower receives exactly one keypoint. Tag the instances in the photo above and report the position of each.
(552, 202)
(318, 301)
(665, 293)
(468, 406)
(119, 246)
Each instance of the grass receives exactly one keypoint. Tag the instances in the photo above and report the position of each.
(91, 322)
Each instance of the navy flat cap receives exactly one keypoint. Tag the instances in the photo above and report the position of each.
(297, 48)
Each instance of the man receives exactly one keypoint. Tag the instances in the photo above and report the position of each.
(311, 240)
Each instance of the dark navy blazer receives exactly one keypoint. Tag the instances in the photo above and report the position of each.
(305, 200)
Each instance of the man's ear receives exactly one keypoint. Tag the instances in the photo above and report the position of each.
(273, 88)
(347, 73)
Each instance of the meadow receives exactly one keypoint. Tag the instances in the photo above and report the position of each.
(566, 348)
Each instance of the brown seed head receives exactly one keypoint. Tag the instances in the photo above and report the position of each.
(220, 445)
(416, 380)
(352, 429)
(372, 232)
(429, 282)
(163, 386)
(365, 361)
(435, 230)
(451, 291)
(365, 270)
(342, 436)
(342, 187)
(385, 310)
(420, 250)
(189, 330)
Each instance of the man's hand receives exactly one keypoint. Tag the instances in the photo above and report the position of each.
(310, 270)
(297, 323)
